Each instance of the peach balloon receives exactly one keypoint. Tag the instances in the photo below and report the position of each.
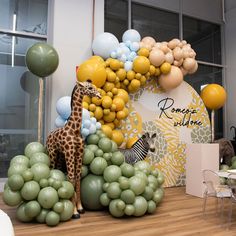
(178, 63)
(169, 57)
(156, 57)
(171, 80)
(173, 43)
(149, 40)
(189, 64)
(178, 53)
(183, 71)
(194, 69)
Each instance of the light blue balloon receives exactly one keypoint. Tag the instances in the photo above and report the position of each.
(85, 114)
(131, 56)
(98, 125)
(93, 120)
(92, 128)
(119, 52)
(123, 58)
(86, 124)
(134, 46)
(131, 35)
(104, 44)
(128, 43)
(63, 107)
(122, 45)
(85, 132)
(114, 54)
(60, 122)
(128, 65)
(125, 50)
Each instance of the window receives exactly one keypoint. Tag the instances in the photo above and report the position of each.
(22, 23)
(159, 24)
(204, 37)
(116, 17)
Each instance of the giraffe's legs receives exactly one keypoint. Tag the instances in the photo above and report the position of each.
(79, 156)
(70, 163)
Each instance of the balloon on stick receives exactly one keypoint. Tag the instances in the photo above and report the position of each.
(42, 60)
(214, 97)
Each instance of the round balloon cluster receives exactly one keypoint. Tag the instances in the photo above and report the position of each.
(41, 194)
(121, 68)
(89, 124)
(138, 59)
(107, 181)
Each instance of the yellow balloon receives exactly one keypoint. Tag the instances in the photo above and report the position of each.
(141, 64)
(131, 141)
(117, 137)
(107, 130)
(213, 96)
(92, 70)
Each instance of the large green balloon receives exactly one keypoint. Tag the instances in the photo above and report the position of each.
(42, 59)
(91, 190)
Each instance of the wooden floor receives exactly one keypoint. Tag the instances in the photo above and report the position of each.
(179, 215)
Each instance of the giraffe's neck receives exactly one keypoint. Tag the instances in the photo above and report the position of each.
(75, 119)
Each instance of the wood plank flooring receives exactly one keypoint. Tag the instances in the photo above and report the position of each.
(178, 215)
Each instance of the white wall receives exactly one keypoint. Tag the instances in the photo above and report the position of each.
(230, 43)
(71, 35)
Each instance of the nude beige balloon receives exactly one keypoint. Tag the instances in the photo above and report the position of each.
(156, 57)
(171, 80)
(189, 64)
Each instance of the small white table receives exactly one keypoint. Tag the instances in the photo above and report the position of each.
(226, 174)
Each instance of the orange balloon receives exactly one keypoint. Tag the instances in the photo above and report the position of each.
(213, 96)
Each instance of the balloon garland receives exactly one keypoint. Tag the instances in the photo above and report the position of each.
(118, 69)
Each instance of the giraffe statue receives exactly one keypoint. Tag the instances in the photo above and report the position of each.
(67, 141)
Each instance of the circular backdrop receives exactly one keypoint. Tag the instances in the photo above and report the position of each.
(177, 117)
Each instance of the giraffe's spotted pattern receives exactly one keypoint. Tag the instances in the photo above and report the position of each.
(67, 141)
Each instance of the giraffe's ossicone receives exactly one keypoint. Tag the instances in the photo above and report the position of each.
(66, 143)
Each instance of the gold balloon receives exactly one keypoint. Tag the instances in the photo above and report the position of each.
(213, 96)
(93, 70)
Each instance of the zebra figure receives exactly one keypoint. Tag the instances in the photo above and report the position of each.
(140, 149)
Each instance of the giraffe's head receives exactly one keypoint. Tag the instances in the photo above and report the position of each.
(150, 140)
(89, 89)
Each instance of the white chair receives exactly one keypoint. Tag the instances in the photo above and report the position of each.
(215, 189)
(231, 180)
(5, 225)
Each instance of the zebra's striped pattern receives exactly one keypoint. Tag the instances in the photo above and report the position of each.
(139, 150)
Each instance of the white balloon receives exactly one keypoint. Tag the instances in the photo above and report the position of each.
(93, 120)
(86, 124)
(85, 114)
(85, 132)
(104, 44)
(134, 46)
(92, 128)
(128, 65)
(98, 125)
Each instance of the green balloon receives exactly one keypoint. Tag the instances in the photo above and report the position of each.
(42, 59)
(91, 190)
